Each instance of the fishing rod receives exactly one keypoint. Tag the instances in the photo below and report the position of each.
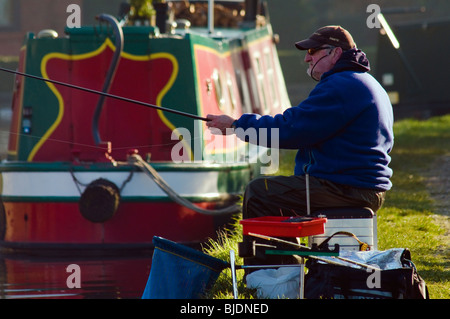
(309, 249)
(106, 94)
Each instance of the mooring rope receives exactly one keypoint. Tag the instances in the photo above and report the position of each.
(137, 160)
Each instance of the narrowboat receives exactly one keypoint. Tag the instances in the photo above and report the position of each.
(87, 172)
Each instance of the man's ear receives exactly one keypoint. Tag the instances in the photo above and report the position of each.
(336, 54)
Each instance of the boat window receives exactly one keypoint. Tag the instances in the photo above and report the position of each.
(231, 91)
(260, 80)
(243, 94)
(270, 71)
(218, 89)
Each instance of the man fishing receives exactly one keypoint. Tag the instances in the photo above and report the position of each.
(342, 131)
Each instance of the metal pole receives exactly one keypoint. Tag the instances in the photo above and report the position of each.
(302, 278)
(308, 202)
(211, 16)
(233, 273)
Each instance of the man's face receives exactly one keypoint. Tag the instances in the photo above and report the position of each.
(320, 60)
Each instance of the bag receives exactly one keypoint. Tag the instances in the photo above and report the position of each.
(397, 279)
(283, 282)
(180, 272)
(362, 245)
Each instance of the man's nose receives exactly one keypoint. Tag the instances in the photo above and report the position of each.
(307, 57)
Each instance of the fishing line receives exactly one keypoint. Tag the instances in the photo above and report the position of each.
(98, 147)
(106, 94)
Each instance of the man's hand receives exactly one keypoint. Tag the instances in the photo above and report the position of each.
(220, 123)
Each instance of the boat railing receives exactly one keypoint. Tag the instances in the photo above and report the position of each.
(111, 72)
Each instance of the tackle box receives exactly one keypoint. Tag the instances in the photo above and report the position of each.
(361, 222)
(279, 226)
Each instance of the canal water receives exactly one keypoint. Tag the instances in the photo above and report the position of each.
(30, 277)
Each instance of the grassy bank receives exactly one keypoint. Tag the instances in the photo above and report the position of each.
(408, 219)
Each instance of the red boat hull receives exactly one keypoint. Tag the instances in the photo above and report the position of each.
(49, 224)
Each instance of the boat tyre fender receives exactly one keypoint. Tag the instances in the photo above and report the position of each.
(99, 201)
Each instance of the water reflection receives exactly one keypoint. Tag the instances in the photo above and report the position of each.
(38, 277)
(100, 278)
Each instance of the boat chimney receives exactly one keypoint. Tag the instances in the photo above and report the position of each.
(211, 16)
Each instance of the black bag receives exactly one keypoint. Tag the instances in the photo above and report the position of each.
(330, 281)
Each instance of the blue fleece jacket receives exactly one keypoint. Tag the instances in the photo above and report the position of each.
(343, 130)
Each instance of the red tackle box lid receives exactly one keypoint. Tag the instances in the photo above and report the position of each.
(279, 226)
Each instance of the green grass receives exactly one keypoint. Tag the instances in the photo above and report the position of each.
(407, 219)
(220, 248)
